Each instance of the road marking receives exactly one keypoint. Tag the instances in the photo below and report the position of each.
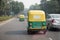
(5, 22)
(50, 38)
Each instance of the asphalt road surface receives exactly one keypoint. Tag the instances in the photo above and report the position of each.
(16, 30)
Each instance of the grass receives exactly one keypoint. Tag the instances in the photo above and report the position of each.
(3, 18)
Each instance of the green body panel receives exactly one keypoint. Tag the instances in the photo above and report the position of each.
(21, 19)
(36, 24)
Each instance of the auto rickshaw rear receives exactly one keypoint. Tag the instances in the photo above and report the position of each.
(36, 21)
(21, 17)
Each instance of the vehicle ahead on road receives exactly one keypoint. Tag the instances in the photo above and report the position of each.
(21, 18)
(54, 21)
(36, 21)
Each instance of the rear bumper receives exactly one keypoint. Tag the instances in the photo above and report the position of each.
(37, 29)
(21, 19)
(56, 26)
(43, 28)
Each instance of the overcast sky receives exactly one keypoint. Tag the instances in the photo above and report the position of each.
(27, 3)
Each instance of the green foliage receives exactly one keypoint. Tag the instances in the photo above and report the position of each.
(8, 6)
(4, 7)
(16, 6)
(35, 7)
(1, 6)
(51, 6)
(3, 18)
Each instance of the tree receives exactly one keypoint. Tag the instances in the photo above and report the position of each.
(16, 6)
(51, 6)
(4, 7)
(1, 7)
(21, 6)
(7, 6)
(58, 5)
(32, 7)
(35, 7)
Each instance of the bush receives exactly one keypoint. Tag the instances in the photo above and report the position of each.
(3, 18)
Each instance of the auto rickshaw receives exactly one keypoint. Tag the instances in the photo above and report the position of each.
(21, 17)
(36, 21)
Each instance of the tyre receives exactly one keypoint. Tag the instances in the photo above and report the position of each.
(29, 31)
(48, 26)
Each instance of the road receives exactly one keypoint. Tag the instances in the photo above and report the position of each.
(16, 30)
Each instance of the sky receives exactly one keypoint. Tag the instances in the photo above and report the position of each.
(28, 3)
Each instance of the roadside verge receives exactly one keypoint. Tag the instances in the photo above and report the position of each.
(5, 22)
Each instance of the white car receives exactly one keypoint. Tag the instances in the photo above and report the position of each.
(54, 21)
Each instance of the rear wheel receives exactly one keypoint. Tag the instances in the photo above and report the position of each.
(48, 26)
(29, 31)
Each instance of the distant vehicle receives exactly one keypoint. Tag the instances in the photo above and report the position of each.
(36, 21)
(21, 17)
(53, 21)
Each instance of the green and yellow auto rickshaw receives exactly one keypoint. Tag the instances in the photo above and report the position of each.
(36, 21)
(21, 17)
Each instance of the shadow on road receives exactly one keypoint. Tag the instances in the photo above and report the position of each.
(19, 32)
(54, 30)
